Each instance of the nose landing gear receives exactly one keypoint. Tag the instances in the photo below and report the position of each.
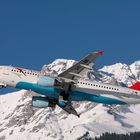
(2, 85)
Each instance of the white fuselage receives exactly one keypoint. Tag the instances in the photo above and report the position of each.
(127, 95)
(11, 76)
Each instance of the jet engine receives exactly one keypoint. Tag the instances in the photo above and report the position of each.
(48, 81)
(64, 86)
(40, 102)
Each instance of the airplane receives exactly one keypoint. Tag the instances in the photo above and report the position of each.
(68, 86)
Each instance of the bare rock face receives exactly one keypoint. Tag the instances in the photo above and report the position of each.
(19, 120)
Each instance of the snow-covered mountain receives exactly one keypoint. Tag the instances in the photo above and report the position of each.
(19, 121)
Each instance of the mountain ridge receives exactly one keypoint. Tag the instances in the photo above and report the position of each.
(18, 120)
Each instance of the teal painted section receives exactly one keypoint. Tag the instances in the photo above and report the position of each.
(62, 103)
(73, 96)
(81, 96)
(48, 91)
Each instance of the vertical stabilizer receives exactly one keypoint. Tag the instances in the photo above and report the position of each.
(136, 86)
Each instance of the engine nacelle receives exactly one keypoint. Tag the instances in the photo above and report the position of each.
(40, 102)
(46, 81)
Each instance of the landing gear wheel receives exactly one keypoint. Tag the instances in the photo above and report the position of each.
(78, 115)
(64, 95)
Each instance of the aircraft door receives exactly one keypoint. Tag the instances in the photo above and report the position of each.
(6, 71)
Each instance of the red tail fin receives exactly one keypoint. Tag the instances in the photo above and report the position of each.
(136, 86)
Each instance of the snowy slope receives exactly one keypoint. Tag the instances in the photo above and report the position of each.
(19, 121)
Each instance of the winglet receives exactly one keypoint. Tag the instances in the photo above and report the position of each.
(136, 86)
(100, 52)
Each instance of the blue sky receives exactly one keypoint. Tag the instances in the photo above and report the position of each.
(33, 33)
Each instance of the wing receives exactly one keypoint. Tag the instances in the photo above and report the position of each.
(67, 106)
(40, 101)
(80, 68)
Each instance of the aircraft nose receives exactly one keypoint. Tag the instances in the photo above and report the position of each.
(1, 72)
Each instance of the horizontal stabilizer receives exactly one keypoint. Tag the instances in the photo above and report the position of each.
(136, 86)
